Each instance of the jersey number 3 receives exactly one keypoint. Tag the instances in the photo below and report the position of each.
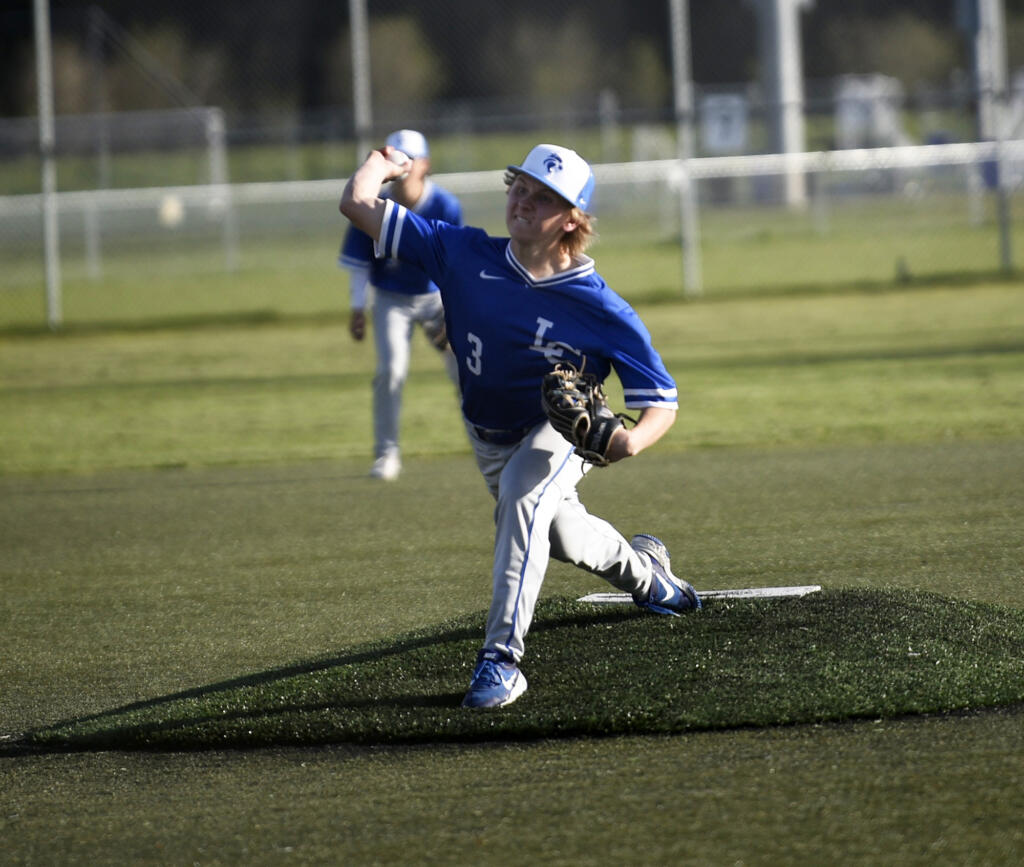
(473, 360)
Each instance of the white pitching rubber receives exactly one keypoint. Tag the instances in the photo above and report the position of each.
(749, 593)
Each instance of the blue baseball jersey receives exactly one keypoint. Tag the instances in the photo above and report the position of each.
(508, 329)
(392, 275)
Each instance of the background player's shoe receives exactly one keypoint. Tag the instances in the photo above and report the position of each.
(497, 681)
(668, 594)
(386, 467)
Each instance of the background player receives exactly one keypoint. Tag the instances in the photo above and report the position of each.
(403, 295)
(515, 306)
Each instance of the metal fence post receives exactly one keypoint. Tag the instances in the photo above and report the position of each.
(362, 106)
(683, 90)
(47, 145)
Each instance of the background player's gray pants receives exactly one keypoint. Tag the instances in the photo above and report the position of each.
(394, 317)
(539, 515)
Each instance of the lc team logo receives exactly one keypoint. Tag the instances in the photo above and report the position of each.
(553, 163)
(552, 350)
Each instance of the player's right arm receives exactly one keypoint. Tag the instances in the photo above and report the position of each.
(361, 201)
(359, 279)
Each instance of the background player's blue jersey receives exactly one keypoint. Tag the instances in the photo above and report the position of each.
(391, 274)
(508, 329)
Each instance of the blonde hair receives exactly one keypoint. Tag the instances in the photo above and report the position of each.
(575, 242)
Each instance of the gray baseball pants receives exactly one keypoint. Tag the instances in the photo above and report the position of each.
(394, 316)
(538, 515)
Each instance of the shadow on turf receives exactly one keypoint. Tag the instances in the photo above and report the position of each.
(837, 655)
(378, 652)
(404, 644)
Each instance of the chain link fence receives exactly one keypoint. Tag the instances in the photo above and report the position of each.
(174, 194)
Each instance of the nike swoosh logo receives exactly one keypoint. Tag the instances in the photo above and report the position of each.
(485, 276)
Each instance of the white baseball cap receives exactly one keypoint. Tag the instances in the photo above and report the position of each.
(561, 169)
(410, 143)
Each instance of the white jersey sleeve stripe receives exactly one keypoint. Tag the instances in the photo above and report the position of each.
(378, 245)
(643, 404)
(399, 222)
(386, 247)
(641, 398)
(656, 393)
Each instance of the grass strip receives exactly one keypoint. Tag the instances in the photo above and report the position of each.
(836, 655)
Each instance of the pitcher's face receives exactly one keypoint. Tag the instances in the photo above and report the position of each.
(535, 213)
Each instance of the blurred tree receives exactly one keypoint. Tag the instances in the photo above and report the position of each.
(904, 46)
(132, 73)
(723, 41)
(70, 77)
(199, 69)
(478, 44)
(645, 82)
(266, 56)
(556, 62)
(1015, 41)
(404, 69)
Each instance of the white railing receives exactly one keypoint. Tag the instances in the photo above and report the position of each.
(104, 213)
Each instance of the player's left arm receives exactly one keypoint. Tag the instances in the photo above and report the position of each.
(648, 387)
(652, 425)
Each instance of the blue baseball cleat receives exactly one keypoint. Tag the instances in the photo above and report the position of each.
(668, 594)
(497, 681)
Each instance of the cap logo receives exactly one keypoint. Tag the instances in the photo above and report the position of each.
(553, 163)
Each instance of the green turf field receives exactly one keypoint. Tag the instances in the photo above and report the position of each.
(183, 508)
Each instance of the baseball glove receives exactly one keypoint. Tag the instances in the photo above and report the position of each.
(577, 408)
